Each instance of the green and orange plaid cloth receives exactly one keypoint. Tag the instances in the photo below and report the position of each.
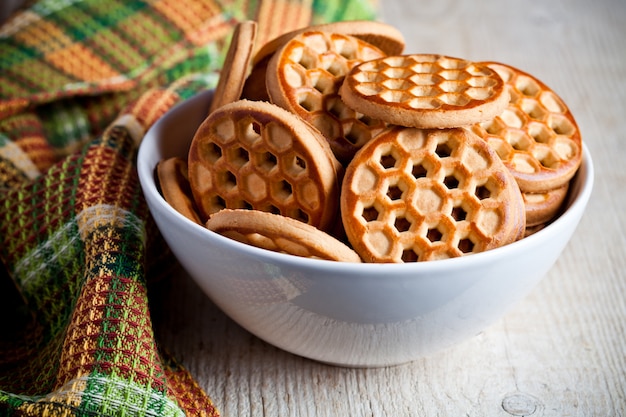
(80, 82)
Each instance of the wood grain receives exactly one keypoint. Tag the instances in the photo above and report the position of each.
(560, 352)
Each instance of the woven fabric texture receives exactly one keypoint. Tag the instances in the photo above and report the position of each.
(81, 81)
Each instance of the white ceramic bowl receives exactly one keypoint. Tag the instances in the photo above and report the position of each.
(364, 315)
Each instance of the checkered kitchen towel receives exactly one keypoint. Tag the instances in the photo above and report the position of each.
(80, 82)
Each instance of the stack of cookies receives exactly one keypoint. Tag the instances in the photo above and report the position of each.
(329, 142)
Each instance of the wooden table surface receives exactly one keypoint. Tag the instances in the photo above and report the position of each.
(561, 351)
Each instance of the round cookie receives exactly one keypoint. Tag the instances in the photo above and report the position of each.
(425, 91)
(279, 234)
(235, 69)
(304, 77)
(536, 136)
(414, 195)
(257, 155)
(174, 185)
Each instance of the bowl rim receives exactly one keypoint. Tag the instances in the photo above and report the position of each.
(575, 203)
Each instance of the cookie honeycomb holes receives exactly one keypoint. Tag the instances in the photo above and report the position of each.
(396, 191)
(370, 213)
(402, 223)
(533, 109)
(561, 125)
(501, 146)
(483, 191)
(443, 150)
(451, 181)
(346, 50)
(368, 121)
(265, 161)
(336, 67)
(306, 57)
(519, 141)
(466, 245)
(298, 214)
(281, 190)
(238, 156)
(228, 179)
(210, 152)
(310, 102)
(388, 158)
(356, 133)
(434, 234)
(458, 213)
(547, 157)
(494, 126)
(335, 107)
(322, 82)
(249, 132)
(216, 203)
(419, 170)
(409, 255)
(527, 86)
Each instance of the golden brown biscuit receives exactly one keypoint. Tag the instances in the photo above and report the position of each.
(304, 77)
(536, 135)
(236, 65)
(425, 91)
(174, 185)
(279, 234)
(416, 195)
(257, 155)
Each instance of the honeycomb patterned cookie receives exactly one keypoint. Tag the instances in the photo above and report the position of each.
(425, 91)
(416, 195)
(280, 234)
(536, 135)
(304, 77)
(257, 155)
